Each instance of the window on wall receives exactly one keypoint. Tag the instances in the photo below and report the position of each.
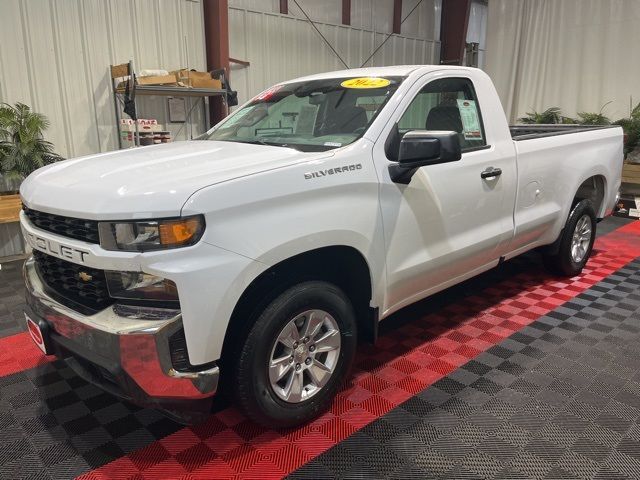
(448, 104)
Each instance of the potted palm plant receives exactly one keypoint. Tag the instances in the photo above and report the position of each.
(23, 148)
(631, 127)
(589, 118)
(550, 115)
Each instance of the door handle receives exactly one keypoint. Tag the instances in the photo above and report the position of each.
(491, 172)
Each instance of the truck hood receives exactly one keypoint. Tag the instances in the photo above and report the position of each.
(147, 182)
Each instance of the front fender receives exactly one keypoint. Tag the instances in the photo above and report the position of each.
(274, 215)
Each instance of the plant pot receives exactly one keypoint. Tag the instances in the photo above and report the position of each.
(634, 156)
(9, 187)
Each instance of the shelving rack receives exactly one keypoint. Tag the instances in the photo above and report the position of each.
(125, 73)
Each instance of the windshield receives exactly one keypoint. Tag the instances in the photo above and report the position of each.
(309, 116)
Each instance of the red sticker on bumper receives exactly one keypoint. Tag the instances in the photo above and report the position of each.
(36, 334)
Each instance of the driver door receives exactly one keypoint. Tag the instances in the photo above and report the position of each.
(448, 223)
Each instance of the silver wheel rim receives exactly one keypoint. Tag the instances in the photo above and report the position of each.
(304, 356)
(581, 239)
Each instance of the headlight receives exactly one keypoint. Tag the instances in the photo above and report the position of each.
(151, 235)
(140, 286)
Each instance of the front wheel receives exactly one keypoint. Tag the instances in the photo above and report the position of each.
(296, 355)
(576, 242)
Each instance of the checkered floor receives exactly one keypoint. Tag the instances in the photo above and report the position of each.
(511, 375)
(558, 399)
(11, 299)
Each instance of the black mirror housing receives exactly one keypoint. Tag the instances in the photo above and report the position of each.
(429, 147)
(419, 148)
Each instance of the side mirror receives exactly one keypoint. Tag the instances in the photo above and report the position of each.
(419, 148)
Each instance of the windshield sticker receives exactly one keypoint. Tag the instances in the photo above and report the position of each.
(470, 119)
(366, 82)
(267, 94)
(332, 144)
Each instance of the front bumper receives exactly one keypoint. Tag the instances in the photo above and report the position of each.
(125, 351)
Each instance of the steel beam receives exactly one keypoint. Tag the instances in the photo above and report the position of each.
(346, 12)
(216, 35)
(453, 31)
(397, 16)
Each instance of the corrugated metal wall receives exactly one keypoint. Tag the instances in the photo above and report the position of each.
(280, 47)
(375, 15)
(55, 57)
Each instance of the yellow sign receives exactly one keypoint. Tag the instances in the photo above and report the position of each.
(365, 82)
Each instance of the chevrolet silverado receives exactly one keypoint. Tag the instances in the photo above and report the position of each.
(252, 259)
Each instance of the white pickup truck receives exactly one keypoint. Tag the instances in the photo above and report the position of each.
(252, 259)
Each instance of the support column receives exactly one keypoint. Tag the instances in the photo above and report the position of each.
(397, 17)
(346, 12)
(453, 31)
(216, 38)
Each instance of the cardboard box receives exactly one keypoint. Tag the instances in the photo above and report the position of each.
(195, 79)
(206, 83)
(169, 80)
(631, 173)
(10, 206)
(157, 80)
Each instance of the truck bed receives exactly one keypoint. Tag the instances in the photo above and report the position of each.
(528, 132)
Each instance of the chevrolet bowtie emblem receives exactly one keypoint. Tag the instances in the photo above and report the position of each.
(85, 277)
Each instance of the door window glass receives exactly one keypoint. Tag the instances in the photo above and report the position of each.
(447, 104)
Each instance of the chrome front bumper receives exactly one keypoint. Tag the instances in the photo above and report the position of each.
(124, 350)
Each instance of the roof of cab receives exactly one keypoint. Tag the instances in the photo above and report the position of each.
(391, 71)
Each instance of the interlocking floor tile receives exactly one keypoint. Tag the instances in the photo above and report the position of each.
(521, 337)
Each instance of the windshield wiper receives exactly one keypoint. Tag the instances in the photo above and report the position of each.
(263, 142)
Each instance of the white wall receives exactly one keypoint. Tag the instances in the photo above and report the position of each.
(573, 54)
(280, 47)
(55, 55)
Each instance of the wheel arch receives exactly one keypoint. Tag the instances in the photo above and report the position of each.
(594, 189)
(345, 266)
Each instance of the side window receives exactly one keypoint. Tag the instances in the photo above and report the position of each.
(447, 104)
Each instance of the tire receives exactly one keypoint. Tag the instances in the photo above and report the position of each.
(307, 304)
(570, 260)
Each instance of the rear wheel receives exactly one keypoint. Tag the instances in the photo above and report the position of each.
(576, 242)
(296, 355)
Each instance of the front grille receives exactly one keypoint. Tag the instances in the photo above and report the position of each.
(76, 228)
(64, 280)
